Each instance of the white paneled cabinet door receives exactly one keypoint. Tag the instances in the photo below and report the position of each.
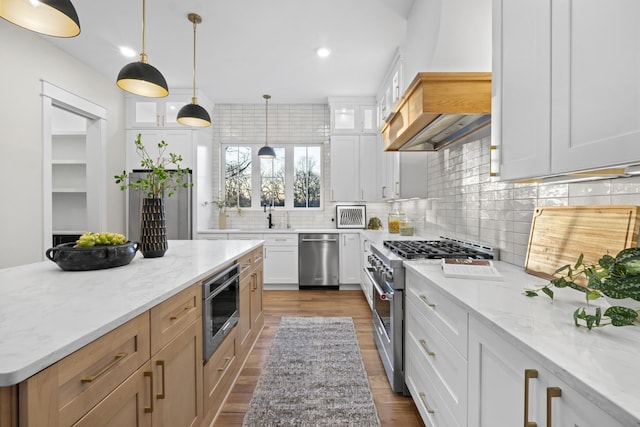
(596, 84)
(369, 168)
(507, 388)
(349, 258)
(521, 116)
(345, 182)
(280, 264)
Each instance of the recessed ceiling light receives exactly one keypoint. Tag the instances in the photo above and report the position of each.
(323, 52)
(127, 51)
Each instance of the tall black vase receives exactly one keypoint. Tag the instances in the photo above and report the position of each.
(153, 228)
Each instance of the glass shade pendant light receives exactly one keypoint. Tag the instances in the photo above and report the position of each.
(194, 114)
(266, 152)
(141, 78)
(56, 18)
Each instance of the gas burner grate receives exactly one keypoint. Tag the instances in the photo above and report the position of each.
(434, 249)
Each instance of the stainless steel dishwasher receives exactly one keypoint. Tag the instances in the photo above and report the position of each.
(318, 260)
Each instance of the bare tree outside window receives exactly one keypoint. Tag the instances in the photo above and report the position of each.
(237, 185)
(307, 177)
(272, 179)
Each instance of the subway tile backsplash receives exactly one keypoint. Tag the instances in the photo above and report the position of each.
(463, 201)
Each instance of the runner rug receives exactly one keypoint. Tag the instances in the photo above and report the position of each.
(314, 376)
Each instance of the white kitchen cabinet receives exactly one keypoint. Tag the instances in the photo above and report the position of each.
(365, 282)
(391, 88)
(566, 96)
(436, 353)
(281, 258)
(212, 236)
(506, 386)
(143, 112)
(349, 266)
(405, 174)
(355, 168)
(353, 115)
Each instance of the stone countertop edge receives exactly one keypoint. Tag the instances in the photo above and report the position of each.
(602, 364)
(47, 313)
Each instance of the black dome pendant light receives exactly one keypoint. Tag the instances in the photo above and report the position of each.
(56, 18)
(194, 114)
(141, 78)
(266, 152)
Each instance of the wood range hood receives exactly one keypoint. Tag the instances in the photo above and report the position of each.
(438, 109)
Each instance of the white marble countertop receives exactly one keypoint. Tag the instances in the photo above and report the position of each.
(278, 230)
(601, 363)
(47, 313)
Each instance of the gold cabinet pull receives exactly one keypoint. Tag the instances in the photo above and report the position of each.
(528, 374)
(184, 313)
(423, 343)
(423, 397)
(161, 364)
(254, 282)
(551, 393)
(426, 301)
(227, 360)
(92, 378)
(148, 409)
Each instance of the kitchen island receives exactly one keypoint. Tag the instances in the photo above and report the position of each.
(47, 313)
(511, 350)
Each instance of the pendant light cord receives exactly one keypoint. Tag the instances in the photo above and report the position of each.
(143, 56)
(194, 62)
(266, 121)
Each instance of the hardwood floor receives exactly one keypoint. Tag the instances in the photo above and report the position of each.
(393, 409)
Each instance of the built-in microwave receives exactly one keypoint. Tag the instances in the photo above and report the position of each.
(220, 308)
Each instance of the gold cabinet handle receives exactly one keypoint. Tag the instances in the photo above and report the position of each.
(551, 393)
(244, 266)
(426, 301)
(227, 360)
(161, 364)
(384, 187)
(254, 282)
(184, 313)
(148, 409)
(423, 343)
(528, 374)
(92, 378)
(423, 397)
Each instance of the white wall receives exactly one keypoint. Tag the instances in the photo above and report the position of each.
(448, 35)
(27, 59)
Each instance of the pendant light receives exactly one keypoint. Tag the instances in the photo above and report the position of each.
(141, 78)
(266, 152)
(56, 18)
(194, 114)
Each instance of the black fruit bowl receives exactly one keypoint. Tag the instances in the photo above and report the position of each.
(92, 258)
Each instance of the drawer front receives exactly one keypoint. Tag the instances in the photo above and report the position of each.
(212, 236)
(258, 256)
(281, 239)
(169, 318)
(449, 318)
(446, 368)
(245, 236)
(432, 408)
(220, 364)
(246, 264)
(88, 375)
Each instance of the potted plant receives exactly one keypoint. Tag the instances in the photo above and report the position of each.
(616, 279)
(164, 176)
(221, 204)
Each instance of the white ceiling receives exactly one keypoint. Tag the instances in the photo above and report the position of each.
(246, 48)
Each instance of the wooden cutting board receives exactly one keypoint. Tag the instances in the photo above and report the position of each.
(559, 234)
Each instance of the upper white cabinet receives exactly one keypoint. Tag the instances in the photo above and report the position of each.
(353, 115)
(145, 112)
(391, 88)
(566, 96)
(355, 168)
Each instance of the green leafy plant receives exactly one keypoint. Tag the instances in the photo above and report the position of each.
(616, 278)
(164, 174)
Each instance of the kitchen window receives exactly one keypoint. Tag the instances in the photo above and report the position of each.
(293, 180)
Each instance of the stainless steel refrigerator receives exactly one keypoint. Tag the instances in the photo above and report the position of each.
(177, 208)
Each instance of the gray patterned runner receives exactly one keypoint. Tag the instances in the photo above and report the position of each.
(314, 376)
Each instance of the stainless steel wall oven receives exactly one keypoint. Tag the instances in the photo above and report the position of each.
(220, 308)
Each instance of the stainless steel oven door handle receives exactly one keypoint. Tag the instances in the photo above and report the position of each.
(385, 296)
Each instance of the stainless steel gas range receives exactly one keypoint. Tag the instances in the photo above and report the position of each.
(386, 271)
